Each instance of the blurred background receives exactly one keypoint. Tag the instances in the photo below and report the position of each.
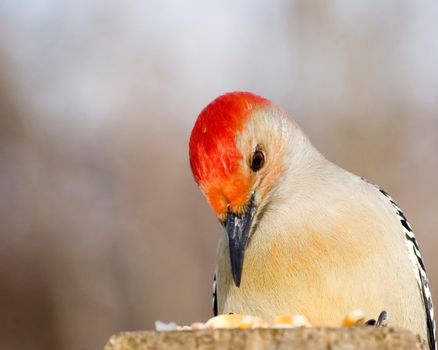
(102, 227)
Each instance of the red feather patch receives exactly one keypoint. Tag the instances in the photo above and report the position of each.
(214, 157)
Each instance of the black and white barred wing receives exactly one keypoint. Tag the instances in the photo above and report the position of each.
(419, 269)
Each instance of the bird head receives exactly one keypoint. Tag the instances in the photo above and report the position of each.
(238, 150)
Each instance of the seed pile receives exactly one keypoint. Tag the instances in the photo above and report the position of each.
(238, 321)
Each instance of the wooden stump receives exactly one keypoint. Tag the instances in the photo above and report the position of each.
(267, 339)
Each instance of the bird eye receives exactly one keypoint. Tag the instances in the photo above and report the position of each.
(258, 159)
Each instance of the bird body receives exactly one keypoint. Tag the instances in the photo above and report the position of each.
(303, 236)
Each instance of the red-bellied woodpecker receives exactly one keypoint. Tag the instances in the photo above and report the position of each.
(303, 236)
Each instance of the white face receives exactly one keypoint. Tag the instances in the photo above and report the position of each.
(273, 133)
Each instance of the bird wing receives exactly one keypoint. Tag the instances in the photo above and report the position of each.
(419, 268)
(214, 300)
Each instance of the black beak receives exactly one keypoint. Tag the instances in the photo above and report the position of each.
(238, 228)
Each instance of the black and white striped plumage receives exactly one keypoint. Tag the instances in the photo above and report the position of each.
(419, 269)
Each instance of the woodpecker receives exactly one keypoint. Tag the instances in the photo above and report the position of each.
(302, 235)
